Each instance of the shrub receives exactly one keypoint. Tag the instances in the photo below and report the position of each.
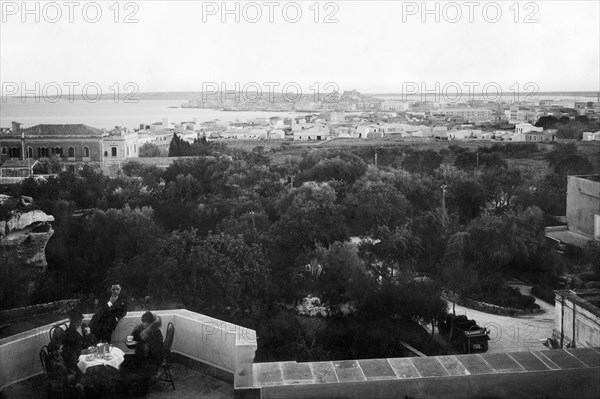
(544, 293)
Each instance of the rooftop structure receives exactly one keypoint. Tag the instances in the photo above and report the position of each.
(205, 347)
(577, 318)
(583, 205)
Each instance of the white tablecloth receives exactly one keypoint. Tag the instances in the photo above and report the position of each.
(115, 361)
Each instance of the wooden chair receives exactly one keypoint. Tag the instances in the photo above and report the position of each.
(165, 375)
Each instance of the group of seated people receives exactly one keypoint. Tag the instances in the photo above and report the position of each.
(134, 374)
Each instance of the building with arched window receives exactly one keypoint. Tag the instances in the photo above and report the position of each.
(74, 144)
(120, 144)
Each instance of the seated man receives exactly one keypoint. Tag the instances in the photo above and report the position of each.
(149, 353)
(61, 378)
(107, 317)
(76, 338)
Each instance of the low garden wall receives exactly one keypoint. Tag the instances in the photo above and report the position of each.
(58, 307)
(487, 307)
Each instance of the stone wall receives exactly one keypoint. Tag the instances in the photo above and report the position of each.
(58, 307)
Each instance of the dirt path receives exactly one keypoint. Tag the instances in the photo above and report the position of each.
(513, 333)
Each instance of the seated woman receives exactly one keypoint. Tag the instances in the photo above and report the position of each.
(61, 378)
(76, 338)
(139, 368)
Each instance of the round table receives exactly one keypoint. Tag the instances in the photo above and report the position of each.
(86, 361)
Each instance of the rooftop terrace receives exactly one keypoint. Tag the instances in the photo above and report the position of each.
(216, 359)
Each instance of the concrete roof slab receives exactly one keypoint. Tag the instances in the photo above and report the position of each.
(348, 370)
(323, 372)
(268, 374)
(588, 356)
(501, 362)
(475, 364)
(529, 361)
(295, 373)
(452, 365)
(563, 359)
(404, 368)
(377, 369)
(429, 367)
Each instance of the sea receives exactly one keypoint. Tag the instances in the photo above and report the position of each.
(107, 114)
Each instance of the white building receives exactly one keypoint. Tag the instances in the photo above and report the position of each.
(276, 134)
(589, 136)
(313, 133)
(394, 105)
(245, 134)
(470, 114)
(523, 128)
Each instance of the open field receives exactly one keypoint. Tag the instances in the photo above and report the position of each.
(293, 149)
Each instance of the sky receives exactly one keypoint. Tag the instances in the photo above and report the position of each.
(371, 46)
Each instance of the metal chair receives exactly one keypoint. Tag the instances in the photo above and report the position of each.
(57, 331)
(165, 375)
(44, 357)
(53, 392)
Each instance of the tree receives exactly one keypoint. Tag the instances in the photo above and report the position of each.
(391, 253)
(467, 198)
(149, 150)
(178, 147)
(501, 185)
(309, 216)
(84, 248)
(220, 275)
(547, 122)
(422, 161)
(377, 203)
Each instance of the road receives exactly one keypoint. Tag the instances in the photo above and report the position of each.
(513, 334)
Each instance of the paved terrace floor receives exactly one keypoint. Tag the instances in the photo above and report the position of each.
(188, 384)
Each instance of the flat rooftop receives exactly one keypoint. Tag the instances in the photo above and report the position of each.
(568, 237)
(188, 384)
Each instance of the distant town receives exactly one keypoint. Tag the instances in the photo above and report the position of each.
(346, 115)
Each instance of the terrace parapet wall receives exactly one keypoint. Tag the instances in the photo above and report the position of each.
(223, 349)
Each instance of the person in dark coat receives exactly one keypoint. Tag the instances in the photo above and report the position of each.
(107, 317)
(61, 378)
(77, 337)
(140, 367)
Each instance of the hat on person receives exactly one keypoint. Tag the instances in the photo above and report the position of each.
(75, 314)
(148, 317)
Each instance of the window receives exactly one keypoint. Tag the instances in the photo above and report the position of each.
(29, 152)
(57, 151)
(113, 151)
(71, 152)
(4, 150)
(43, 152)
(86, 152)
(105, 153)
(14, 152)
(71, 168)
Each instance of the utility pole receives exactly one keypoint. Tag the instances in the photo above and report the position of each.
(443, 187)
(253, 224)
